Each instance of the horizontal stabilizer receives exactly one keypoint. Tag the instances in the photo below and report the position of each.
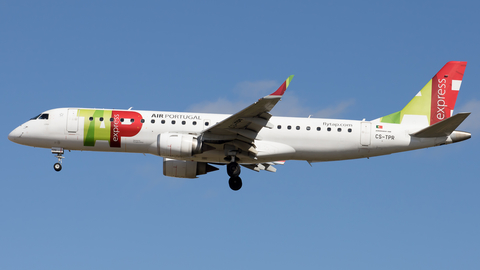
(443, 128)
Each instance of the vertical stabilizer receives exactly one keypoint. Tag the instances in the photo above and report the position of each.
(436, 101)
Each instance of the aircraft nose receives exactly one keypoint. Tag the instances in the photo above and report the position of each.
(16, 133)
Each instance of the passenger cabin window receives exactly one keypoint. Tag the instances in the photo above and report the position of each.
(90, 118)
(279, 126)
(101, 119)
(153, 121)
(349, 130)
(194, 123)
(308, 128)
(163, 121)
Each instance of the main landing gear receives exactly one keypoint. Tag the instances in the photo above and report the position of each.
(233, 170)
(59, 151)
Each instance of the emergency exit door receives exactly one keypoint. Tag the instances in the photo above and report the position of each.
(365, 135)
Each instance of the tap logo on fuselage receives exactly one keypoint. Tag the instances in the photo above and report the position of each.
(109, 125)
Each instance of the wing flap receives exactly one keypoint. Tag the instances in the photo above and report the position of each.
(260, 167)
(252, 135)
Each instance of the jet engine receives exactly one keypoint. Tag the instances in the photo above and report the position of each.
(185, 168)
(177, 145)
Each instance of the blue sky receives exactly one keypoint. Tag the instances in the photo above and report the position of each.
(351, 59)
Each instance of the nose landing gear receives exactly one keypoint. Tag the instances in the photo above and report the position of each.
(59, 151)
(57, 167)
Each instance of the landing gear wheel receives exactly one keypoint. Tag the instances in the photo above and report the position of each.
(233, 169)
(57, 167)
(235, 183)
(59, 152)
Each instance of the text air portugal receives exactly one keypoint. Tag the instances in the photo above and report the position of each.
(445, 87)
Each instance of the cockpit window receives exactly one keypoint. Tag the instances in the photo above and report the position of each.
(43, 116)
(34, 118)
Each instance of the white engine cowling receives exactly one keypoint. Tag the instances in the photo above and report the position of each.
(177, 145)
(185, 168)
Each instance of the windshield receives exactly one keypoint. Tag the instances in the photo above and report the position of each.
(40, 116)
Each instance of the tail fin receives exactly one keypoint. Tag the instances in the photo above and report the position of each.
(436, 101)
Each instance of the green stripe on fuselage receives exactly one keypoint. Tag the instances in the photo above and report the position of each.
(95, 130)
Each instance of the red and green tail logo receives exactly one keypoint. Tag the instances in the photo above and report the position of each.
(437, 98)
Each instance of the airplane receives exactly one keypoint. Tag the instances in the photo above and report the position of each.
(193, 144)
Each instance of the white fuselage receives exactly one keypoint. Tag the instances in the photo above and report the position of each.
(285, 138)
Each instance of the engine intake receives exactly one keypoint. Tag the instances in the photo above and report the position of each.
(177, 145)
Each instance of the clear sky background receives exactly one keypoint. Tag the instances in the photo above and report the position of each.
(351, 60)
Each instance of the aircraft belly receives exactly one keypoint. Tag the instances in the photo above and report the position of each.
(267, 152)
(330, 151)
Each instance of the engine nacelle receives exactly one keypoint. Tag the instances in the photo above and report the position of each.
(177, 145)
(185, 168)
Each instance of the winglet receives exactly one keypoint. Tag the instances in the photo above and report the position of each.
(281, 90)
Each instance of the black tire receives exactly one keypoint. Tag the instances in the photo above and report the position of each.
(57, 167)
(233, 169)
(235, 183)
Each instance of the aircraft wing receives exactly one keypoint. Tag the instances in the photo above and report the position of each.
(240, 130)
